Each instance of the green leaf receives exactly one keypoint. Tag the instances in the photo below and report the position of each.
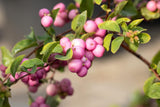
(7, 57)
(154, 91)
(4, 102)
(78, 1)
(68, 56)
(156, 58)
(71, 6)
(133, 46)
(158, 67)
(31, 62)
(53, 101)
(135, 23)
(87, 5)
(107, 41)
(32, 70)
(79, 21)
(119, 7)
(47, 50)
(58, 49)
(144, 38)
(124, 27)
(31, 36)
(148, 15)
(116, 43)
(22, 45)
(148, 84)
(70, 36)
(98, 1)
(121, 20)
(54, 13)
(110, 25)
(87, 35)
(138, 29)
(14, 66)
(158, 102)
(129, 10)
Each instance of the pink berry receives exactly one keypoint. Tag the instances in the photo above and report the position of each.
(78, 43)
(33, 76)
(151, 6)
(40, 100)
(98, 51)
(72, 13)
(63, 41)
(89, 55)
(82, 72)
(100, 33)
(98, 40)
(98, 21)
(44, 105)
(51, 90)
(78, 52)
(90, 26)
(77, 5)
(87, 64)
(33, 89)
(158, 5)
(63, 15)
(33, 82)
(70, 91)
(59, 22)
(90, 44)
(46, 21)
(3, 68)
(39, 73)
(24, 79)
(61, 7)
(34, 104)
(75, 65)
(43, 12)
(66, 82)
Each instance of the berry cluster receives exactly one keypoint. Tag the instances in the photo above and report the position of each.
(153, 5)
(62, 88)
(39, 102)
(63, 16)
(84, 51)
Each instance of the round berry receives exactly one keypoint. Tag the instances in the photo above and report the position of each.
(60, 6)
(98, 51)
(158, 5)
(25, 78)
(51, 90)
(98, 21)
(78, 43)
(82, 72)
(151, 6)
(90, 26)
(33, 89)
(63, 15)
(70, 91)
(40, 100)
(59, 22)
(43, 12)
(34, 104)
(78, 52)
(89, 55)
(46, 21)
(75, 65)
(72, 13)
(33, 82)
(100, 33)
(87, 64)
(90, 44)
(98, 40)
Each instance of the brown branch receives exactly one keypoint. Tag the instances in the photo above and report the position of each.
(142, 59)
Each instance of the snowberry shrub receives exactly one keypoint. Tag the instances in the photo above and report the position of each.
(115, 26)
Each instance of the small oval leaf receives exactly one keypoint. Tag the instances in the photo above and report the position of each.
(116, 43)
(154, 91)
(107, 41)
(68, 56)
(144, 38)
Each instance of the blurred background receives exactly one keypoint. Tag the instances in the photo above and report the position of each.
(111, 79)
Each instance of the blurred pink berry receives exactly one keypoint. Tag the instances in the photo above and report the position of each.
(100, 32)
(98, 21)
(90, 44)
(47, 21)
(78, 43)
(34, 104)
(59, 21)
(99, 51)
(43, 12)
(70, 91)
(82, 72)
(151, 6)
(98, 40)
(87, 64)
(75, 65)
(51, 90)
(40, 100)
(77, 5)
(63, 15)
(158, 5)
(72, 13)
(90, 26)
(89, 55)
(61, 7)
(33, 89)
(78, 52)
